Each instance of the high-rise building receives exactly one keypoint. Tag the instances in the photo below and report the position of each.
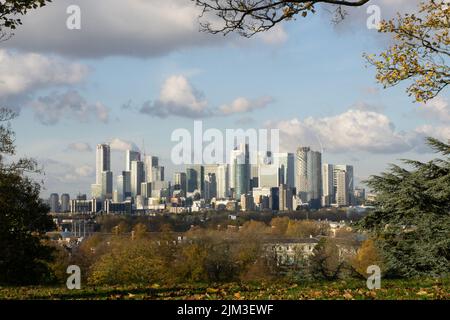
(195, 179)
(103, 161)
(343, 183)
(240, 170)
(157, 174)
(286, 165)
(308, 176)
(223, 182)
(268, 171)
(107, 184)
(96, 191)
(131, 156)
(285, 196)
(124, 186)
(210, 186)
(179, 180)
(65, 202)
(247, 203)
(146, 190)
(151, 162)
(328, 188)
(54, 202)
(137, 177)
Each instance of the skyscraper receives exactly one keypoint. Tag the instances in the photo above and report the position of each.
(240, 170)
(137, 177)
(131, 156)
(179, 180)
(328, 185)
(103, 161)
(223, 182)
(210, 186)
(308, 176)
(107, 184)
(54, 202)
(343, 183)
(195, 179)
(124, 186)
(151, 162)
(268, 171)
(65, 202)
(286, 165)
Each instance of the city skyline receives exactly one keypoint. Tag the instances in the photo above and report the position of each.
(165, 80)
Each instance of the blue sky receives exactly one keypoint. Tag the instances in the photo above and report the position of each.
(308, 68)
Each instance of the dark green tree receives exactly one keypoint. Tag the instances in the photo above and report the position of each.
(24, 217)
(411, 223)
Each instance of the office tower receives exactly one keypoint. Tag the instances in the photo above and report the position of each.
(254, 180)
(146, 190)
(151, 162)
(54, 202)
(96, 191)
(124, 186)
(103, 161)
(223, 182)
(268, 171)
(65, 202)
(247, 203)
(131, 156)
(308, 176)
(210, 186)
(240, 170)
(157, 174)
(343, 183)
(274, 199)
(179, 180)
(107, 184)
(259, 194)
(195, 179)
(285, 196)
(328, 185)
(137, 177)
(286, 165)
(161, 189)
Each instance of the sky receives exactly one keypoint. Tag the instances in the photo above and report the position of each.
(134, 73)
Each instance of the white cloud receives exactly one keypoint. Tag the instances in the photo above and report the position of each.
(21, 73)
(110, 27)
(437, 108)
(178, 97)
(85, 171)
(242, 105)
(117, 144)
(80, 147)
(353, 130)
(275, 36)
(50, 109)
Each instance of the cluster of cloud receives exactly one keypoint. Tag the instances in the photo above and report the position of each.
(21, 73)
(52, 108)
(118, 144)
(363, 130)
(60, 173)
(179, 98)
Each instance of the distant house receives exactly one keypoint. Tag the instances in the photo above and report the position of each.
(288, 251)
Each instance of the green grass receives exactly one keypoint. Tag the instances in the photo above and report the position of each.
(354, 289)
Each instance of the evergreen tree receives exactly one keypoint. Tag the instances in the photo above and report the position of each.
(411, 223)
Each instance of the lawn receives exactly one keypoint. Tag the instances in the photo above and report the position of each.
(354, 289)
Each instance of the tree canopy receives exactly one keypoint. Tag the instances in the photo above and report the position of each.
(411, 223)
(11, 10)
(420, 53)
(248, 17)
(24, 218)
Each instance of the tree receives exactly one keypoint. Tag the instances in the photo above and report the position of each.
(248, 17)
(421, 51)
(11, 9)
(326, 262)
(24, 218)
(367, 255)
(411, 222)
